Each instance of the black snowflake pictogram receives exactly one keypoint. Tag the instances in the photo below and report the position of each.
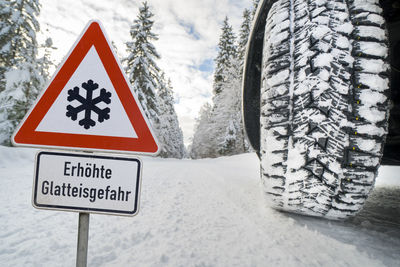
(88, 104)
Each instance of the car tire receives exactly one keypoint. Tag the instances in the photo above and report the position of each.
(324, 104)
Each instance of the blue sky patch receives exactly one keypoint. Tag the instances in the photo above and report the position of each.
(207, 65)
(189, 28)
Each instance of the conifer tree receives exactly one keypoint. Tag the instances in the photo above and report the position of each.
(141, 67)
(227, 112)
(226, 49)
(21, 73)
(114, 46)
(6, 34)
(211, 128)
(168, 129)
(244, 34)
(201, 146)
(225, 131)
(226, 119)
(149, 84)
(45, 63)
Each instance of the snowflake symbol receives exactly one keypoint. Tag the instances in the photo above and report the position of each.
(88, 104)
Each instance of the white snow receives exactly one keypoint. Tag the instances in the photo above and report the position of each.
(373, 48)
(320, 31)
(370, 98)
(371, 65)
(278, 78)
(366, 6)
(196, 213)
(368, 145)
(370, 129)
(345, 28)
(342, 42)
(323, 59)
(374, 81)
(368, 31)
(372, 114)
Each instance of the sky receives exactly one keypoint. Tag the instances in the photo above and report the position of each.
(188, 32)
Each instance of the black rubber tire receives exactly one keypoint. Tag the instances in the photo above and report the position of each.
(324, 104)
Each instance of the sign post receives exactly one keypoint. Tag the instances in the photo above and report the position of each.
(83, 240)
(86, 183)
(87, 106)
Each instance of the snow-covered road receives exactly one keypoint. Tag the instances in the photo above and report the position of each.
(196, 213)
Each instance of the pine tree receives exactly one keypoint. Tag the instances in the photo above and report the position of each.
(18, 27)
(227, 112)
(149, 84)
(6, 34)
(168, 129)
(219, 130)
(242, 46)
(45, 63)
(244, 35)
(21, 76)
(114, 46)
(141, 67)
(201, 146)
(225, 121)
(226, 49)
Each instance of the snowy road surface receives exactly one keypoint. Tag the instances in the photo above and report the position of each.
(196, 213)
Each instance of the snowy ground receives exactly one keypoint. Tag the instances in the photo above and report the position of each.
(196, 213)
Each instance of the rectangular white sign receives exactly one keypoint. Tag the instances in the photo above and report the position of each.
(87, 183)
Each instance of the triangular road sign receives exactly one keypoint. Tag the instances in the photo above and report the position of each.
(88, 104)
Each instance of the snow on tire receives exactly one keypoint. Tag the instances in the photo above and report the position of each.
(324, 104)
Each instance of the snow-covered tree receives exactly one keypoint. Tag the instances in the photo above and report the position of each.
(227, 126)
(18, 27)
(114, 46)
(21, 75)
(226, 49)
(45, 63)
(169, 133)
(6, 57)
(244, 34)
(141, 67)
(149, 83)
(201, 146)
(226, 112)
(224, 134)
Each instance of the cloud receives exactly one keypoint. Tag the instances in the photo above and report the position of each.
(188, 33)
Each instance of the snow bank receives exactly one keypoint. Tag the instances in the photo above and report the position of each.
(388, 176)
(207, 212)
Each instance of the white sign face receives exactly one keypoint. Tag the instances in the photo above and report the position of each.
(87, 183)
(117, 124)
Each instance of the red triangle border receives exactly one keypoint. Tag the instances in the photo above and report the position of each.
(93, 35)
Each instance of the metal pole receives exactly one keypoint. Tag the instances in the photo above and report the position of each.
(83, 237)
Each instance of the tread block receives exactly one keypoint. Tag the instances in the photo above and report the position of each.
(369, 33)
(371, 50)
(372, 81)
(359, 158)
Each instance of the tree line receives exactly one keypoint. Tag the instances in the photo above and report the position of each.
(219, 129)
